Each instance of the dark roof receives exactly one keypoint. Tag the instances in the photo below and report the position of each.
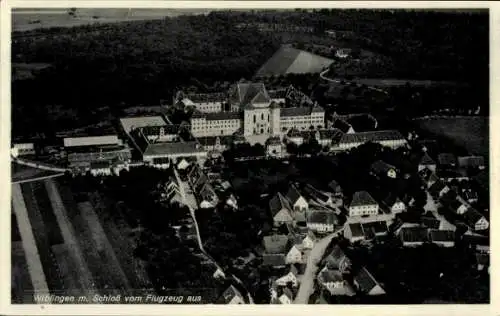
(362, 198)
(274, 260)
(335, 186)
(333, 133)
(315, 194)
(273, 141)
(206, 97)
(482, 179)
(431, 222)
(335, 257)
(477, 239)
(366, 282)
(219, 116)
(375, 227)
(472, 216)
(356, 229)
(293, 132)
(322, 217)
(454, 204)
(483, 259)
(100, 164)
(317, 109)
(471, 161)
(244, 93)
(327, 276)
(441, 235)
(373, 136)
(172, 148)
(392, 199)
(380, 167)
(413, 234)
(211, 140)
(426, 160)
(229, 294)
(447, 159)
(275, 244)
(277, 94)
(437, 186)
(277, 203)
(293, 194)
(341, 125)
(155, 130)
(296, 111)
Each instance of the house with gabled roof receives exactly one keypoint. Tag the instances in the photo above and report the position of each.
(297, 201)
(382, 169)
(438, 189)
(413, 236)
(363, 204)
(334, 282)
(374, 229)
(275, 249)
(321, 220)
(482, 261)
(457, 207)
(309, 240)
(231, 296)
(444, 238)
(295, 254)
(394, 204)
(354, 232)
(337, 260)
(280, 210)
(335, 187)
(318, 196)
(426, 162)
(290, 277)
(280, 294)
(366, 283)
(475, 220)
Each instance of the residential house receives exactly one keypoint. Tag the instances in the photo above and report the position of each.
(445, 238)
(274, 146)
(394, 204)
(100, 168)
(476, 162)
(475, 220)
(295, 136)
(207, 196)
(374, 229)
(219, 274)
(343, 53)
(366, 283)
(413, 236)
(276, 248)
(426, 162)
(232, 201)
(342, 125)
(478, 243)
(281, 295)
(295, 254)
(183, 164)
(309, 240)
(289, 278)
(431, 222)
(363, 204)
(336, 188)
(321, 220)
(447, 161)
(297, 201)
(280, 210)
(318, 196)
(433, 178)
(438, 189)
(381, 169)
(232, 296)
(337, 260)
(457, 207)
(483, 261)
(333, 281)
(354, 232)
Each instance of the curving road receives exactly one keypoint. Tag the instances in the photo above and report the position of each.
(334, 80)
(307, 284)
(188, 203)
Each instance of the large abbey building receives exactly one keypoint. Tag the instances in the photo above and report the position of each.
(255, 111)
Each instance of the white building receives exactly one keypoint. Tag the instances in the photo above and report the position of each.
(255, 112)
(389, 138)
(205, 102)
(22, 149)
(363, 204)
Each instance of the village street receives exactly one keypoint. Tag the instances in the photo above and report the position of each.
(307, 283)
(432, 207)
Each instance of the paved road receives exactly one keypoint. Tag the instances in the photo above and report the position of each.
(307, 285)
(335, 80)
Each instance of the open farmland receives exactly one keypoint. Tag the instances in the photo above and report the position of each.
(470, 132)
(30, 19)
(288, 60)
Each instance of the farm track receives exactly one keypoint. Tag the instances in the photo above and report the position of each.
(47, 259)
(68, 233)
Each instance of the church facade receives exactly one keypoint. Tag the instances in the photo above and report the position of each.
(255, 112)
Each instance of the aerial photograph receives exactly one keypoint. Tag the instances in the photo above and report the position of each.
(250, 156)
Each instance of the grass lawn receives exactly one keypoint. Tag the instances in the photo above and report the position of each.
(471, 132)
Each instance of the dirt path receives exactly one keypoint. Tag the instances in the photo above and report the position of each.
(35, 268)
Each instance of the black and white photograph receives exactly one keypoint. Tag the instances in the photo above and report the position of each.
(236, 155)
